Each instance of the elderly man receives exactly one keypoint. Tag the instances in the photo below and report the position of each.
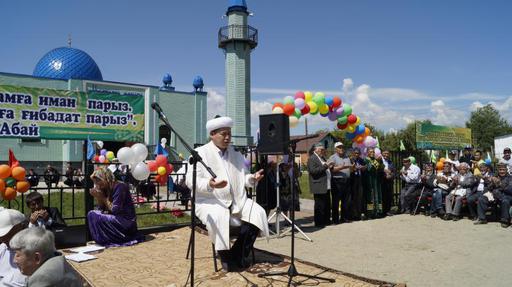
(443, 185)
(320, 184)
(463, 182)
(387, 182)
(11, 222)
(411, 175)
(340, 184)
(223, 201)
(499, 191)
(507, 159)
(36, 257)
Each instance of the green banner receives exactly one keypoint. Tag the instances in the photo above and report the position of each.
(441, 137)
(57, 114)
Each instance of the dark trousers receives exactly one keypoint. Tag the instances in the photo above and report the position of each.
(387, 194)
(471, 202)
(340, 190)
(357, 196)
(504, 202)
(245, 241)
(406, 196)
(322, 209)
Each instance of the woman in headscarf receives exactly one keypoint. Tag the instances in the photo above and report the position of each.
(114, 223)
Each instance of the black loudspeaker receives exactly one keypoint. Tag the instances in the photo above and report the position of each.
(274, 134)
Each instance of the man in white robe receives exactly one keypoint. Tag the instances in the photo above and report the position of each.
(223, 201)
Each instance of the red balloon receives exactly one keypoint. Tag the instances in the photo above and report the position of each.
(277, 105)
(351, 119)
(289, 109)
(300, 95)
(305, 110)
(97, 158)
(161, 179)
(152, 165)
(161, 160)
(169, 168)
(342, 127)
(336, 102)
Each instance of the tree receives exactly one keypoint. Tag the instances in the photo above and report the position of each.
(486, 123)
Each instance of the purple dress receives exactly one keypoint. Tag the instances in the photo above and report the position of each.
(118, 228)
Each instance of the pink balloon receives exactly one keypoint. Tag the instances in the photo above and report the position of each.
(300, 103)
(378, 153)
(300, 95)
(339, 111)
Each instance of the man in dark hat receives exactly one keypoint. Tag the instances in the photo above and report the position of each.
(467, 157)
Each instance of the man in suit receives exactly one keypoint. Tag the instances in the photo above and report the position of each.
(320, 184)
(42, 216)
(36, 257)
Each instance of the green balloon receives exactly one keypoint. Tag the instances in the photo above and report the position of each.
(297, 113)
(10, 182)
(342, 120)
(413, 159)
(319, 99)
(347, 110)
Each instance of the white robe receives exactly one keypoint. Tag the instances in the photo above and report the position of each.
(213, 205)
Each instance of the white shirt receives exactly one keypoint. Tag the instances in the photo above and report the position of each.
(413, 174)
(10, 275)
(508, 163)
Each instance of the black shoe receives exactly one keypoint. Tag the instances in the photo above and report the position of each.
(389, 214)
(478, 222)
(456, 218)
(447, 216)
(505, 224)
(433, 215)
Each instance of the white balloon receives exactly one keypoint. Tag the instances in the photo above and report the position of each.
(140, 152)
(125, 155)
(294, 121)
(140, 171)
(100, 144)
(101, 158)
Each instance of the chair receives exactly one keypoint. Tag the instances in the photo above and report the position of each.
(234, 231)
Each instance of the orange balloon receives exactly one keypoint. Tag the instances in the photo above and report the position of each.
(22, 186)
(442, 159)
(5, 171)
(2, 185)
(366, 131)
(9, 194)
(18, 173)
(289, 109)
(439, 165)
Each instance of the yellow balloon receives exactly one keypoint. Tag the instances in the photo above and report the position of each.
(351, 129)
(161, 170)
(294, 121)
(358, 121)
(324, 109)
(308, 96)
(313, 108)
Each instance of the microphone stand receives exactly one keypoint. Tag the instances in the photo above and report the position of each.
(292, 270)
(194, 159)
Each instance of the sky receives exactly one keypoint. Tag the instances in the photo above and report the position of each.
(393, 61)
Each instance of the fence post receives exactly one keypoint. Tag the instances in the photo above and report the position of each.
(88, 199)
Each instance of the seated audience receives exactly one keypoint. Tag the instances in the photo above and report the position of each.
(69, 173)
(410, 174)
(426, 189)
(482, 185)
(42, 216)
(475, 163)
(51, 176)
(78, 178)
(11, 222)
(443, 185)
(463, 183)
(499, 192)
(33, 178)
(114, 223)
(37, 258)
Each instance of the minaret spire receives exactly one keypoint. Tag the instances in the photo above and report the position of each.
(69, 40)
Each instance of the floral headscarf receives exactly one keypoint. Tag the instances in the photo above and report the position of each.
(104, 174)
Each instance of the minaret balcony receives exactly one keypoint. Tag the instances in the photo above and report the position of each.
(238, 33)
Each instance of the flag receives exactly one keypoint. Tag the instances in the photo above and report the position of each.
(489, 156)
(90, 149)
(446, 155)
(378, 143)
(161, 150)
(13, 162)
(432, 156)
(402, 146)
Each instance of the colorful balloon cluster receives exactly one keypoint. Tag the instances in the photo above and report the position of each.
(333, 108)
(104, 156)
(161, 167)
(12, 180)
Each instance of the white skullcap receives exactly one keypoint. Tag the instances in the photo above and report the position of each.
(217, 123)
(8, 219)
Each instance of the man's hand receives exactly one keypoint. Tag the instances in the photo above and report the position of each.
(44, 215)
(258, 175)
(217, 184)
(34, 216)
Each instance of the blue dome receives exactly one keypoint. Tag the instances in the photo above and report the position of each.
(167, 79)
(198, 82)
(67, 63)
(237, 5)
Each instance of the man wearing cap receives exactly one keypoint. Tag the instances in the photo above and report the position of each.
(340, 184)
(507, 159)
(11, 222)
(223, 201)
(411, 175)
(320, 184)
(451, 159)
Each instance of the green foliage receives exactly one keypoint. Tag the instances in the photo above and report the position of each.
(486, 123)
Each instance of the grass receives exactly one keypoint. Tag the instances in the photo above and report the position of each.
(67, 210)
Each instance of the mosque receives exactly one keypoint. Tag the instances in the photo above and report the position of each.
(68, 70)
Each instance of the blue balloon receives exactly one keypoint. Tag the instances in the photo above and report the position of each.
(328, 100)
(360, 129)
(488, 161)
(351, 135)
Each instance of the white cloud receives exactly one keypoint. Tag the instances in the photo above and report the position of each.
(216, 103)
(399, 94)
(347, 85)
(444, 115)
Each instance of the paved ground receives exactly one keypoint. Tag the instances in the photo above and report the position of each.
(417, 250)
